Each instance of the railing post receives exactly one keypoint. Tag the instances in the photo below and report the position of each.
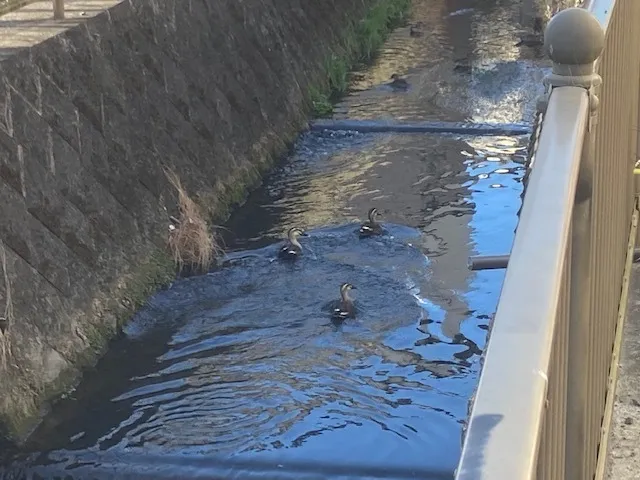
(636, 174)
(574, 40)
(58, 9)
(636, 185)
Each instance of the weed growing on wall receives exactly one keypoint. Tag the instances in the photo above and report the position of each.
(191, 238)
(360, 45)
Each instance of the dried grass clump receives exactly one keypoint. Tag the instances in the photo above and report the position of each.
(191, 239)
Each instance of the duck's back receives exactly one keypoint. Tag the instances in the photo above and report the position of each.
(289, 252)
(368, 229)
(343, 311)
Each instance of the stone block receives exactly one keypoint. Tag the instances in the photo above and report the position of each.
(37, 245)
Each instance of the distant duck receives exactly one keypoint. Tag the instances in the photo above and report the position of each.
(535, 39)
(398, 83)
(345, 307)
(416, 29)
(371, 226)
(292, 248)
(461, 68)
(531, 40)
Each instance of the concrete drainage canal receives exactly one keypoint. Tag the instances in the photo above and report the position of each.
(240, 373)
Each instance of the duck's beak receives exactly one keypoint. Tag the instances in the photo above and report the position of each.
(353, 287)
(304, 234)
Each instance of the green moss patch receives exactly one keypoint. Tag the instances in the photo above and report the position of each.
(156, 272)
(359, 46)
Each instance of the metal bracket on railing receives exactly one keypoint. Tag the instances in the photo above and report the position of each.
(497, 262)
(488, 262)
(588, 82)
(543, 100)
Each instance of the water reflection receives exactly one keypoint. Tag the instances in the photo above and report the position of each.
(246, 362)
(466, 66)
(418, 181)
(240, 373)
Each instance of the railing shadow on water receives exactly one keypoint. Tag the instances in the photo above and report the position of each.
(159, 467)
(550, 362)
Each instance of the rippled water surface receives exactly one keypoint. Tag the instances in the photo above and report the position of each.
(464, 66)
(241, 374)
(244, 364)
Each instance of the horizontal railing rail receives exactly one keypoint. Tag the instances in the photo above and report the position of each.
(541, 405)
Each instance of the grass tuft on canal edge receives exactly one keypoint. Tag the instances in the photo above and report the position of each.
(191, 238)
(360, 45)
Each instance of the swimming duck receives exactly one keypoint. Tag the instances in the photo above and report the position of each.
(416, 29)
(292, 248)
(345, 308)
(530, 40)
(371, 226)
(398, 82)
(535, 39)
(460, 68)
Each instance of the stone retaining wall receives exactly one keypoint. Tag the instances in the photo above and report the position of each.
(213, 89)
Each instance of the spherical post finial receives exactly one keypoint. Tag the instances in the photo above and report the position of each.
(574, 39)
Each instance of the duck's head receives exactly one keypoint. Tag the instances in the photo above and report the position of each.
(345, 288)
(296, 232)
(373, 214)
(395, 76)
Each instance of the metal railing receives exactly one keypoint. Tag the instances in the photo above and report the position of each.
(546, 390)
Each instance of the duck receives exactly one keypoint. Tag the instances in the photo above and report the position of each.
(371, 226)
(292, 248)
(530, 40)
(535, 39)
(345, 307)
(398, 83)
(461, 68)
(416, 29)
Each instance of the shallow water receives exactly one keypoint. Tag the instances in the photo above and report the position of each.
(240, 373)
(464, 66)
(244, 365)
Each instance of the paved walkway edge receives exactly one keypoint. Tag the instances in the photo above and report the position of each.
(622, 461)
